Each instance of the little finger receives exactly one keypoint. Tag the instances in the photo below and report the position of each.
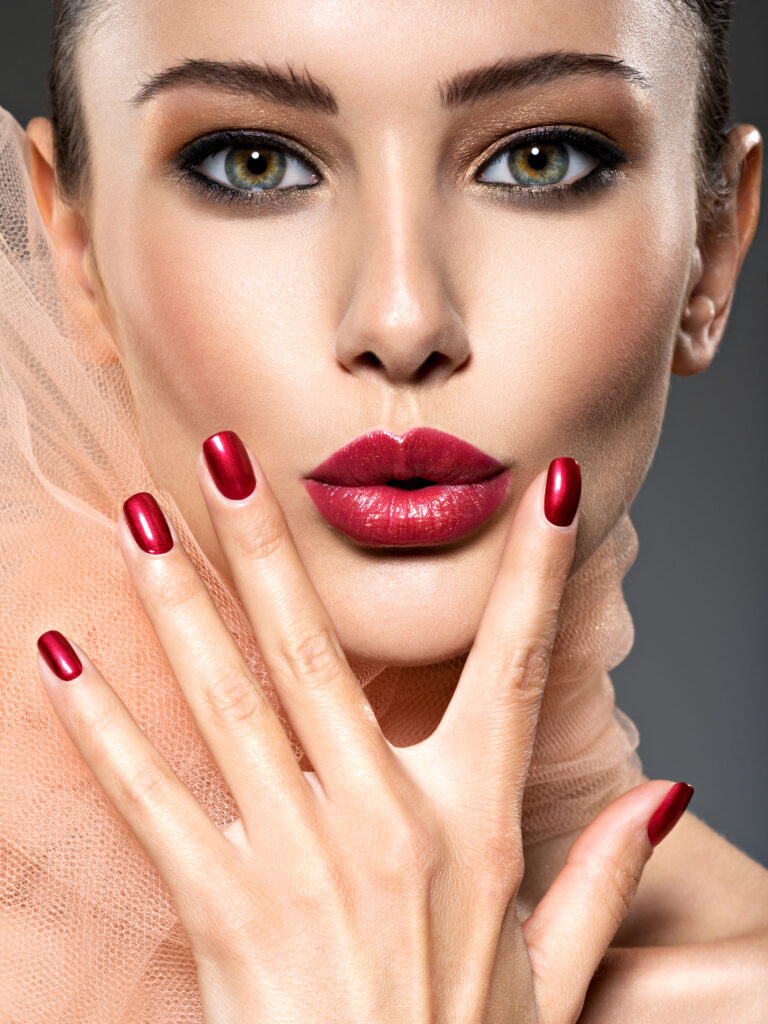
(175, 832)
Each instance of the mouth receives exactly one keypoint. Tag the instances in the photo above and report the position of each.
(426, 487)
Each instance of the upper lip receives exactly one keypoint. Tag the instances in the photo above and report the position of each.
(379, 456)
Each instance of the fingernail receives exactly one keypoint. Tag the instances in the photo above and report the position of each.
(669, 812)
(229, 465)
(148, 523)
(561, 497)
(59, 655)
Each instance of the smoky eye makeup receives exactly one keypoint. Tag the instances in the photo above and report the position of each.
(541, 164)
(245, 166)
(551, 163)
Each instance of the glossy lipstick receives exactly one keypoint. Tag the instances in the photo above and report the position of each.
(426, 487)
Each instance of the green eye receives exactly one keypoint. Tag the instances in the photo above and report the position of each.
(536, 164)
(256, 168)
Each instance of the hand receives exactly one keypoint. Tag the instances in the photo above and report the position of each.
(381, 886)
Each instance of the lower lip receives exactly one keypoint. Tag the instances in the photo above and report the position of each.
(382, 515)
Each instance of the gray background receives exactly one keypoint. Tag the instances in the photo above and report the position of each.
(695, 681)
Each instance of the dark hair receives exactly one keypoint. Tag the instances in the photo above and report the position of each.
(70, 142)
(712, 19)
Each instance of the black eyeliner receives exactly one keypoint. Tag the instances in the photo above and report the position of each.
(191, 155)
(610, 156)
(594, 144)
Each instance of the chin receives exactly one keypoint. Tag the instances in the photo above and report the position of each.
(407, 638)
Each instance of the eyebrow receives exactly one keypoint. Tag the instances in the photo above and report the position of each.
(305, 92)
(506, 75)
(243, 76)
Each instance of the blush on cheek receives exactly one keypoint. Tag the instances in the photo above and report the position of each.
(623, 310)
(179, 307)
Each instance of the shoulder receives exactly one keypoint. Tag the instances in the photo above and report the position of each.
(721, 982)
(697, 887)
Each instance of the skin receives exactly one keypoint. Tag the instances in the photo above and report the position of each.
(587, 304)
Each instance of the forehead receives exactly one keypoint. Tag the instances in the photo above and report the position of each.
(379, 51)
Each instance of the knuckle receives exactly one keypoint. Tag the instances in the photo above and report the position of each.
(259, 537)
(406, 852)
(146, 788)
(525, 667)
(229, 921)
(313, 655)
(94, 721)
(499, 884)
(232, 697)
(319, 882)
(546, 575)
(494, 861)
(619, 881)
(173, 587)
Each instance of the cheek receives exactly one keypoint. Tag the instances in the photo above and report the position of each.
(584, 313)
(619, 313)
(579, 312)
(628, 304)
(214, 308)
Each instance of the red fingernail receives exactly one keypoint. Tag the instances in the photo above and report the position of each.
(561, 497)
(59, 655)
(229, 465)
(669, 812)
(148, 523)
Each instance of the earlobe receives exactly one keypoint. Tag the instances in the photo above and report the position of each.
(697, 335)
(718, 258)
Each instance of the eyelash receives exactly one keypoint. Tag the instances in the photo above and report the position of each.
(609, 156)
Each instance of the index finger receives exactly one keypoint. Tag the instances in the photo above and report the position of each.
(486, 735)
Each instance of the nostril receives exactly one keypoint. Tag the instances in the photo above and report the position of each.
(371, 359)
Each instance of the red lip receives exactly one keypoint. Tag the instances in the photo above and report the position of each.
(355, 492)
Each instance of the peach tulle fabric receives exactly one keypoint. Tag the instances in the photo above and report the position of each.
(88, 933)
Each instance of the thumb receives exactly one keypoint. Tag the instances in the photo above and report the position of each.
(569, 931)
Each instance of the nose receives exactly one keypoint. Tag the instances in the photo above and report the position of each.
(401, 322)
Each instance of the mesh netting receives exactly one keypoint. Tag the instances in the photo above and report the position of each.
(88, 932)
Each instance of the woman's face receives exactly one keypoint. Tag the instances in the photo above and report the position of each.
(524, 300)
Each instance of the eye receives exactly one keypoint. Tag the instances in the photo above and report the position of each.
(256, 167)
(540, 162)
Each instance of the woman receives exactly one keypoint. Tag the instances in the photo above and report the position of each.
(328, 311)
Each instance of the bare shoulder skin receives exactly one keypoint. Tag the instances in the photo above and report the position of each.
(694, 945)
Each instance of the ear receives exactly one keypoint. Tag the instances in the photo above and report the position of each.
(64, 221)
(718, 257)
(68, 231)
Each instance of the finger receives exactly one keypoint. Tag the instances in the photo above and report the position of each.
(175, 832)
(569, 931)
(235, 719)
(319, 691)
(486, 734)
